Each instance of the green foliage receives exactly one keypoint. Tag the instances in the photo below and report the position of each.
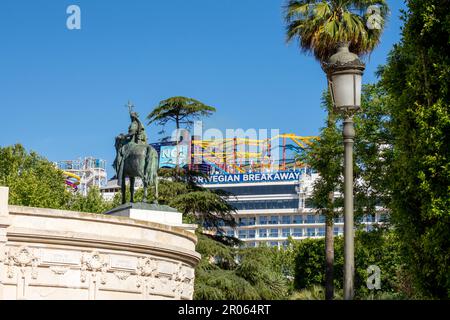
(210, 248)
(93, 202)
(232, 273)
(384, 296)
(326, 157)
(170, 190)
(310, 263)
(256, 266)
(223, 285)
(373, 151)
(416, 80)
(35, 182)
(313, 293)
(32, 180)
(318, 293)
(205, 208)
(283, 262)
(379, 247)
(180, 110)
(320, 25)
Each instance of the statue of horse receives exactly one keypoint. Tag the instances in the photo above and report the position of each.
(136, 161)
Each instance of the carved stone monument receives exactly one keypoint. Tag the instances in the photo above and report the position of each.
(53, 254)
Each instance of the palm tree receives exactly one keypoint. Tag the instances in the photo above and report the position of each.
(320, 26)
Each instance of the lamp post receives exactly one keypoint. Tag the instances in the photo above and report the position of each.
(344, 71)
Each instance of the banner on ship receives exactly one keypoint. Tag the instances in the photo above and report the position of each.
(250, 177)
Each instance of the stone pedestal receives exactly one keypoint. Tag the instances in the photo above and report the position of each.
(152, 213)
(53, 254)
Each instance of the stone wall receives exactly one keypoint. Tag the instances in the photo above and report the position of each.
(53, 254)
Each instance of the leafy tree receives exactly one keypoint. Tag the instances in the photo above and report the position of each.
(200, 205)
(320, 25)
(204, 207)
(180, 110)
(32, 180)
(93, 202)
(416, 80)
(313, 293)
(256, 266)
(373, 152)
(309, 263)
(232, 273)
(326, 157)
(283, 262)
(35, 182)
(379, 247)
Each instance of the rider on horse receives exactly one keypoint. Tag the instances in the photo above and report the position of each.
(135, 157)
(136, 134)
(136, 131)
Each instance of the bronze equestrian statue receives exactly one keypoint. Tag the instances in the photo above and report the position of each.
(135, 158)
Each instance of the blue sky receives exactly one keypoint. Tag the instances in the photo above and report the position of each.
(62, 92)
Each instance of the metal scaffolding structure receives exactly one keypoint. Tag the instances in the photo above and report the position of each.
(90, 171)
(241, 155)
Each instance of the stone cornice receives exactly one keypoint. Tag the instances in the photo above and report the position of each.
(100, 218)
(76, 239)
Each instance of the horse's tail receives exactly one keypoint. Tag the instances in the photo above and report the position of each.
(155, 167)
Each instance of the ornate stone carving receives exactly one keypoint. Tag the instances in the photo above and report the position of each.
(94, 262)
(147, 268)
(22, 257)
(42, 244)
(122, 275)
(59, 270)
(184, 281)
(190, 289)
(167, 285)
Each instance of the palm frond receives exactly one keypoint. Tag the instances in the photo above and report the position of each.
(320, 25)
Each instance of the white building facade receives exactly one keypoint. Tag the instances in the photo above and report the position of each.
(269, 210)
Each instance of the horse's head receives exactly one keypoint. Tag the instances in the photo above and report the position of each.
(120, 141)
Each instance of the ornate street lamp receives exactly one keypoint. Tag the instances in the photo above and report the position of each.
(344, 71)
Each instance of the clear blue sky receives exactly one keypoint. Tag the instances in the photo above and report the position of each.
(62, 92)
